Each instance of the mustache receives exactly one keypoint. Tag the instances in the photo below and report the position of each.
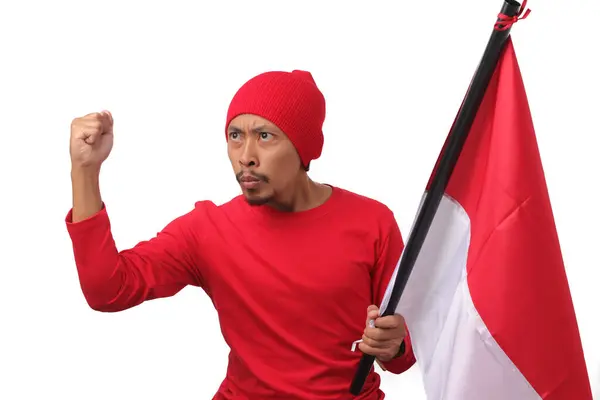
(260, 177)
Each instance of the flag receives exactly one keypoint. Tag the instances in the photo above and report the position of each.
(488, 304)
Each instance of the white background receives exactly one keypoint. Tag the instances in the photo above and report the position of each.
(393, 73)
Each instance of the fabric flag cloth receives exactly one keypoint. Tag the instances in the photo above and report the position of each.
(488, 303)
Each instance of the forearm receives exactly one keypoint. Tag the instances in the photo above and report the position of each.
(87, 200)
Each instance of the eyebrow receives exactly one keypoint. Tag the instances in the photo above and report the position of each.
(258, 129)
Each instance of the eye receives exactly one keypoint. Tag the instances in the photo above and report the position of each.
(265, 135)
(234, 135)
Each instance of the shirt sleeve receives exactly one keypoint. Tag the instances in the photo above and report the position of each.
(113, 280)
(389, 250)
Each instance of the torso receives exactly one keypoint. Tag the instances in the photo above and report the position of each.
(291, 292)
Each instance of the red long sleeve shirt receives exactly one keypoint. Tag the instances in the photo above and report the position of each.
(291, 289)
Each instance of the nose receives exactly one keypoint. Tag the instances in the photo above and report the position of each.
(249, 157)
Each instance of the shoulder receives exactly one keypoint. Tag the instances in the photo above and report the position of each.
(205, 215)
(368, 213)
(365, 207)
(374, 217)
(210, 208)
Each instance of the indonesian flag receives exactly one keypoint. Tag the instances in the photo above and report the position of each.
(488, 304)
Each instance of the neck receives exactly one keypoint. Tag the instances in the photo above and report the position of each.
(302, 195)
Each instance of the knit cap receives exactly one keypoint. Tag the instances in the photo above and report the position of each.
(290, 100)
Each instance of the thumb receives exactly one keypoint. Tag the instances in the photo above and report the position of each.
(372, 315)
(108, 115)
(107, 121)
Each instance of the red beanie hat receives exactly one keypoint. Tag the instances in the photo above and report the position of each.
(290, 100)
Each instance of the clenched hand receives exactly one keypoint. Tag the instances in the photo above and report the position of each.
(383, 336)
(91, 139)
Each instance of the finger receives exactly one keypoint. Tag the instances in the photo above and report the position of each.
(389, 322)
(375, 343)
(90, 131)
(90, 137)
(386, 354)
(381, 335)
(368, 349)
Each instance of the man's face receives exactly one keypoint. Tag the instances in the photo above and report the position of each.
(264, 160)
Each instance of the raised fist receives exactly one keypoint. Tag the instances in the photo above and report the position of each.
(91, 139)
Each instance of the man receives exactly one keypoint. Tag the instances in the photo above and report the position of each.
(294, 268)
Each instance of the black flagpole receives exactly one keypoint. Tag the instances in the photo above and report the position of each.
(456, 139)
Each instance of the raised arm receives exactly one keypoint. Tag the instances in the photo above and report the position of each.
(112, 280)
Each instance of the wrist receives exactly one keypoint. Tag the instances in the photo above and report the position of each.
(87, 172)
(400, 353)
(402, 349)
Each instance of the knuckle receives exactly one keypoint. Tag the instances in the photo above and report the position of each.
(375, 334)
(366, 339)
(369, 341)
(365, 348)
(75, 122)
(96, 124)
(85, 118)
(92, 117)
